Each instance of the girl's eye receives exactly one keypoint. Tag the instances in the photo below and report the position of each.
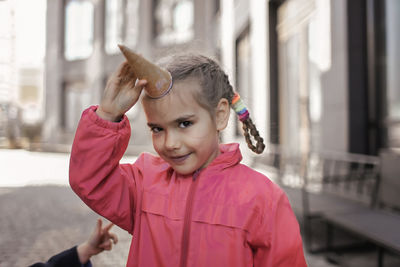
(155, 129)
(185, 124)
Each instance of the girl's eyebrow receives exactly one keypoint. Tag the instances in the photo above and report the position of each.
(185, 118)
(151, 125)
(178, 120)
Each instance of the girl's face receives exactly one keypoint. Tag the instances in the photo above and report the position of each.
(184, 134)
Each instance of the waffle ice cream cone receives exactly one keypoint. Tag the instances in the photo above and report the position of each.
(159, 81)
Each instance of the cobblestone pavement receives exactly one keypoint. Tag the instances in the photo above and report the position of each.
(37, 222)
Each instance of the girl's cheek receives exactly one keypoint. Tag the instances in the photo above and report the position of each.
(198, 133)
(154, 139)
(157, 141)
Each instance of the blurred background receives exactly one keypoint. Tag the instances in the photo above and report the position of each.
(317, 76)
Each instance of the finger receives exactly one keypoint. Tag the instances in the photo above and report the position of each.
(115, 76)
(141, 83)
(131, 83)
(132, 78)
(123, 77)
(135, 92)
(122, 69)
(130, 72)
(123, 74)
(98, 226)
(108, 227)
(113, 237)
(128, 79)
(107, 245)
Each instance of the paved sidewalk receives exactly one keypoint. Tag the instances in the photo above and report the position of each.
(38, 220)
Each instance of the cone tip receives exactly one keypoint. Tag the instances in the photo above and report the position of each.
(121, 47)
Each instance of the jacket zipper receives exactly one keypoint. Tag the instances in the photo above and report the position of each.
(188, 219)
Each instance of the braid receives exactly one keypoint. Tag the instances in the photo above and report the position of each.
(249, 129)
(248, 125)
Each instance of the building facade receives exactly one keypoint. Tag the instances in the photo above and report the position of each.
(315, 74)
(21, 72)
(327, 69)
(82, 53)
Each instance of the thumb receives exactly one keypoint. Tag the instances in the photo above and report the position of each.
(138, 87)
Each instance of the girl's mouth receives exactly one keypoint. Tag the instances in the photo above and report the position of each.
(179, 159)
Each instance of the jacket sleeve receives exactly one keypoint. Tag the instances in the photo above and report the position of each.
(278, 243)
(67, 258)
(95, 175)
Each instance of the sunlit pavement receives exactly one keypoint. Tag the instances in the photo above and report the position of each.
(40, 215)
(20, 167)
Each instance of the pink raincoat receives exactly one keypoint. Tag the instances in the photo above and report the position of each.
(224, 215)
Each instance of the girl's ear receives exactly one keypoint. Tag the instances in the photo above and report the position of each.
(222, 114)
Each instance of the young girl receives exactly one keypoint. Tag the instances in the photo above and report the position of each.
(194, 204)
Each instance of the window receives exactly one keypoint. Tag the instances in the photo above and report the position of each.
(77, 97)
(173, 21)
(319, 61)
(114, 25)
(132, 23)
(78, 30)
(392, 77)
(304, 55)
(243, 71)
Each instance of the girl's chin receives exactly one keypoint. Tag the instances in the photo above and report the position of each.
(183, 171)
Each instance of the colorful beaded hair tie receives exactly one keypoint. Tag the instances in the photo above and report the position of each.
(239, 107)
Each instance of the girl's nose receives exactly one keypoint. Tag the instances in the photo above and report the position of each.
(171, 140)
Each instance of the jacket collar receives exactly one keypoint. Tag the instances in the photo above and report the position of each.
(230, 155)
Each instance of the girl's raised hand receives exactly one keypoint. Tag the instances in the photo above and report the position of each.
(120, 94)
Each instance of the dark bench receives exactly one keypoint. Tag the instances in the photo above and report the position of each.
(335, 183)
(319, 184)
(381, 223)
